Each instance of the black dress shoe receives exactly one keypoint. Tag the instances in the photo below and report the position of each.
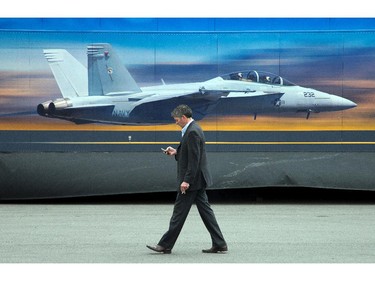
(215, 250)
(159, 249)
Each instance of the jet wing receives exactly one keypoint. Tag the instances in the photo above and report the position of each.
(252, 94)
(243, 103)
(158, 108)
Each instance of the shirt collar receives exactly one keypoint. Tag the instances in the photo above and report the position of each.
(183, 131)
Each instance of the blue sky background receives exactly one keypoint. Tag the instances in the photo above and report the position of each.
(186, 24)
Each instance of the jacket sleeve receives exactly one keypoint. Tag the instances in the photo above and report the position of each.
(194, 156)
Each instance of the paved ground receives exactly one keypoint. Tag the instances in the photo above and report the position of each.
(118, 233)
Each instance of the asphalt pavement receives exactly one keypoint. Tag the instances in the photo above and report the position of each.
(118, 233)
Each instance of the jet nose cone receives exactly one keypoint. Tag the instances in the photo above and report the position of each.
(345, 103)
(340, 103)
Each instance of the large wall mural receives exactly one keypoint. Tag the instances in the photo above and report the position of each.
(338, 63)
(252, 91)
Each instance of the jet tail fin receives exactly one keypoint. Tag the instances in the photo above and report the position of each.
(70, 74)
(106, 73)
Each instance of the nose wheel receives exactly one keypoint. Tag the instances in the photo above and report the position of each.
(308, 114)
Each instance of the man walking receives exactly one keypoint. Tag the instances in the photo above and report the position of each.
(193, 177)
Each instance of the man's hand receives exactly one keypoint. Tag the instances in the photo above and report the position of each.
(184, 186)
(170, 151)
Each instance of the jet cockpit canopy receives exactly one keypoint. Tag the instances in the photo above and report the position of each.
(258, 77)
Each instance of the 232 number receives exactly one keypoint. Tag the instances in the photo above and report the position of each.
(309, 94)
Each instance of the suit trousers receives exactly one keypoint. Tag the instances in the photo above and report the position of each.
(181, 210)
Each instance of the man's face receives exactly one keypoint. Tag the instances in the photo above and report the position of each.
(181, 121)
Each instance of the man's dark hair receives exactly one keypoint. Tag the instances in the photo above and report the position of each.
(182, 109)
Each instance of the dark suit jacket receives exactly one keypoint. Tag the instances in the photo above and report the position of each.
(191, 159)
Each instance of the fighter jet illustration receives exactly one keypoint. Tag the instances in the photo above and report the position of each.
(106, 92)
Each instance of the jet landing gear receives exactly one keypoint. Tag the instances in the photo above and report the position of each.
(308, 114)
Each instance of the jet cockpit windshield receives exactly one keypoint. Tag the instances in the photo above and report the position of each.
(258, 77)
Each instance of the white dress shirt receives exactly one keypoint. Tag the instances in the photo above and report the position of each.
(185, 127)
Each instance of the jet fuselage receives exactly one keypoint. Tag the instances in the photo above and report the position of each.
(218, 96)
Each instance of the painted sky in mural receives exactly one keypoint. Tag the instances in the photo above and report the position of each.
(340, 63)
